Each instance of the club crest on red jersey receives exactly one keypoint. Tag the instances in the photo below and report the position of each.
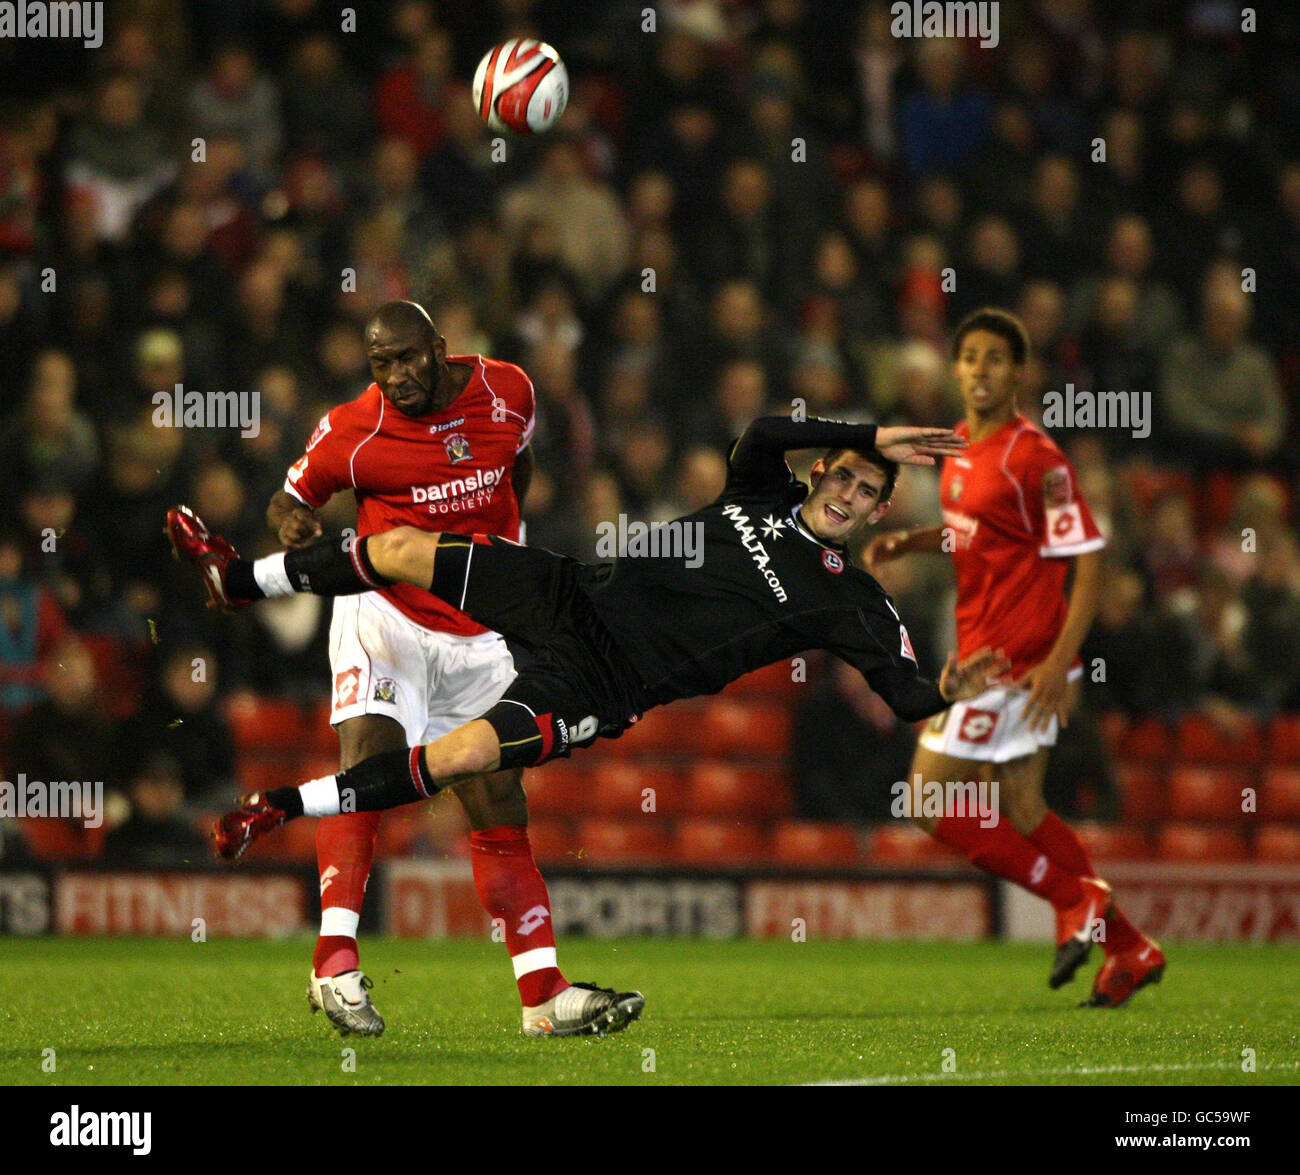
(958, 484)
(458, 448)
(832, 562)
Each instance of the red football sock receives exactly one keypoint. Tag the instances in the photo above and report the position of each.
(1059, 842)
(1002, 851)
(345, 850)
(512, 890)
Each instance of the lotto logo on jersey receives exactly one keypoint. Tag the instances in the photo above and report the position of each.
(1065, 526)
(977, 726)
(346, 685)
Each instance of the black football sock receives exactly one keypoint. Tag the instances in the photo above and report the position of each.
(240, 581)
(386, 780)
(287, 799)
(333, 568)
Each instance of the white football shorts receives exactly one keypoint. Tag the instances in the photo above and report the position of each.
(431, 682)
(989, 728)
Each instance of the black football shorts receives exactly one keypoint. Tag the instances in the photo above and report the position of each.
(578, 685)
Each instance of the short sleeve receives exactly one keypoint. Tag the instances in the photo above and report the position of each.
(321, 472)
(1062, 520)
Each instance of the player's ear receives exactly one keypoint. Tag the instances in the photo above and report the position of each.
(818, 469)
(880, 511)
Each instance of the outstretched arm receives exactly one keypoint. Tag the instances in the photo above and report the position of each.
(760, 452)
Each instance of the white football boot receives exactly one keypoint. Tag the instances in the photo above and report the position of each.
(345, 1000)
(583, 1009)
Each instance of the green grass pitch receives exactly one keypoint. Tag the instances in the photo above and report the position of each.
(135, 1012)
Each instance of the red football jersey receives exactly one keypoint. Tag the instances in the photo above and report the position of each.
(450, 470)
(1014, 510)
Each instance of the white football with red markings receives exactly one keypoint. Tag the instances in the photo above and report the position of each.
(521, 85)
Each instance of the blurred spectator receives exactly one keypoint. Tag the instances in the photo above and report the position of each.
(52, 440)
(326, 112)
(66, 737)
(411, 97)
(584, 214)
(945, 122)
(156, 833)
(181, 715)
(234, 99)
(31, 627)
(116, 157)
(1219, 391)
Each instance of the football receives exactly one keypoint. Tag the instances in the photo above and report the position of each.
(521, 85)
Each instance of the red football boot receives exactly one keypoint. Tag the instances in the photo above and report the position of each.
(193, 543)
(236, 830)
(1126, 972)
(1074, 930)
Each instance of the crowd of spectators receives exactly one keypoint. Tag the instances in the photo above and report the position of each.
(749, 205)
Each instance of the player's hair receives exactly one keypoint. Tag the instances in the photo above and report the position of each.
(1002, 323)
(872, 457)
(403, 314)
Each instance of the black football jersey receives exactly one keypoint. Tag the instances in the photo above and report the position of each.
(759, 587)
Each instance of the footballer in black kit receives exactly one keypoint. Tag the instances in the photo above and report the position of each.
(771, 579)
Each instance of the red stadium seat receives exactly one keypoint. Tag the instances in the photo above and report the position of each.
(903, 843)
(261, 772)
(1142, 794)
(1281, 798)
(1218, 491)
(1147, 738)
(666, 730)
(554, 841)
(1196, 842)
(719, 842)
(559, 789)
(633, 839)
(1198, 740)
(1207, 793)
(618, 788)
(318, 733)
(1112, 842)
(294, 843)
(773, 682)
(266, 724)
(798, 842)
(717, 788)
(1284, 739)
(747, 729)
(61, 839)
(1113, 725)
(1278, 843)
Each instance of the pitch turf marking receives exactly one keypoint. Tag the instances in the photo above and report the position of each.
(995, 1074)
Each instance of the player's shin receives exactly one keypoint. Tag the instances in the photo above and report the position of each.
(513, 893)
(328, 568)
(345, 851)
(386, 780)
